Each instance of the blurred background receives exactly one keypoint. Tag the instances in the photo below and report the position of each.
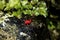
(29, 19)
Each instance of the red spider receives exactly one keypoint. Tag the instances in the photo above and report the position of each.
(27, 22)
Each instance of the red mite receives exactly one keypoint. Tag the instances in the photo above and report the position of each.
(27, 22)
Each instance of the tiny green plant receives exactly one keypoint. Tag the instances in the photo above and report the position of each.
(24, 6)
